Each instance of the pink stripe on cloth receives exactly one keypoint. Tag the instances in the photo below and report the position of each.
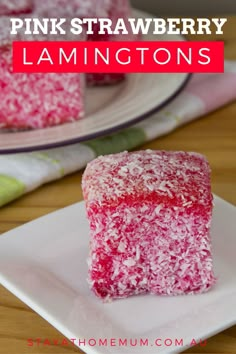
(213, 90)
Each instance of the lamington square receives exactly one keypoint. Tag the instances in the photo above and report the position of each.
(150, 216)
(38, 100)
(110, 9)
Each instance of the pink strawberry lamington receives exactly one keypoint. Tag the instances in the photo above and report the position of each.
(14, 7)
(35, 100)
(150, 216)
(92, 9)
(115, 10)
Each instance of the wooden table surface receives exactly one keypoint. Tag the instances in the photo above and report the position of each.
(214, 136)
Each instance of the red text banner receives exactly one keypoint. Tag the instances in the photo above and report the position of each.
(118, 57)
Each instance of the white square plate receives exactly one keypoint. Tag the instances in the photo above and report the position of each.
(44, 264)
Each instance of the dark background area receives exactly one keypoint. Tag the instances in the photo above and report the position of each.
(187, 7)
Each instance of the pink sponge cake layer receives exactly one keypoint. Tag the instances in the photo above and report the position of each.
(37, 100)
(150, 215)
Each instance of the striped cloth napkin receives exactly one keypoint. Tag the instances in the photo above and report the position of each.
(22, 173)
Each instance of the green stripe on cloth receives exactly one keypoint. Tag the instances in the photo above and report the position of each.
(10, 189)
(43, 156)
(112, 144)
